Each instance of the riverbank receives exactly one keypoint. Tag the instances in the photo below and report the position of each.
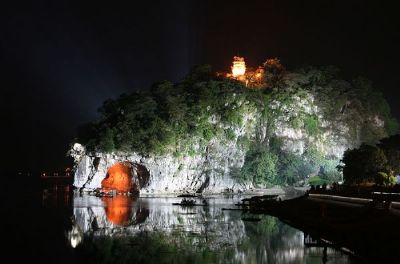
(277, 190)
(357, 224)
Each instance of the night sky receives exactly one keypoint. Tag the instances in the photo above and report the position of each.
(60, 60)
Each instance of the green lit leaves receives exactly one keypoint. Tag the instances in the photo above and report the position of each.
(311, 124)
(106, 140)
(260, 167)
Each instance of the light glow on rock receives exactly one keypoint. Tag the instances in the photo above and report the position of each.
(119, 178)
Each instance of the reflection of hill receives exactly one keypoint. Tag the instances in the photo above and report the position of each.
(122, 215)
(151, 229)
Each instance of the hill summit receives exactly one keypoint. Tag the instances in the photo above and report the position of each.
(212, 132)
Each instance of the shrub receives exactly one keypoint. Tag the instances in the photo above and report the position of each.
(260, 167)
(316, 180)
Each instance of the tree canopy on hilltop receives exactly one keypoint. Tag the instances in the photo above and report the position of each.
(183, 118)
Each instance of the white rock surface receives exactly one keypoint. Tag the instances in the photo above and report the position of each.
(214, 169)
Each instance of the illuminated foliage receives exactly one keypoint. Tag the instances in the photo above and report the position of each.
(311, 124)
(106, 143)
(183, 118)
(260, 167)
(391, 147)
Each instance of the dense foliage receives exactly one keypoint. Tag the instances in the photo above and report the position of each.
(373, 164)
(183, 119)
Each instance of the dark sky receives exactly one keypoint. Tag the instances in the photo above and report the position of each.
(61, 60)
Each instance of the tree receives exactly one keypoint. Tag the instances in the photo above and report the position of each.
(199, 73)
(273, 72)
(260, 167)
(364, 164)
(386, 179)
(290, 166)
(106, 142)
(391, 147)
(377, 164)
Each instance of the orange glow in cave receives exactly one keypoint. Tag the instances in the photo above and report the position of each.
(118, 209)
(119, 178)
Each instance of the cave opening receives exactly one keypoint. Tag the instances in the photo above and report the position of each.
(124, 177)
(142, 175)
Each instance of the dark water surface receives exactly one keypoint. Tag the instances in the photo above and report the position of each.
(56, 226)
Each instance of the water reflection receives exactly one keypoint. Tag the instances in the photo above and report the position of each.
(153, 230)
(75, 235)
(56, 195)
(118, 209)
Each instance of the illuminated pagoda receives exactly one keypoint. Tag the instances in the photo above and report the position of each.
(238, 67)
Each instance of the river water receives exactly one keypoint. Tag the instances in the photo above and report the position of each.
(153, 230)
(72, 228)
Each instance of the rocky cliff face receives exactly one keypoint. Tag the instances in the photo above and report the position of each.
(166, 173)
(304, 121)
